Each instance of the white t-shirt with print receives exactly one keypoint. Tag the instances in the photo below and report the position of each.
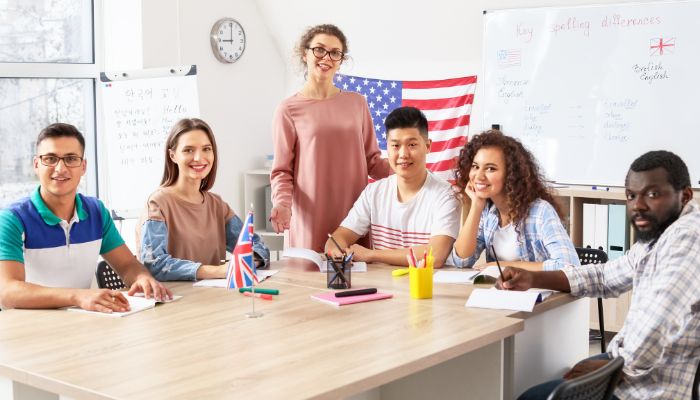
(433, 211)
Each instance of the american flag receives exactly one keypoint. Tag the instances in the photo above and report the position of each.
(241, 269)
(446, 103)
(509, 58)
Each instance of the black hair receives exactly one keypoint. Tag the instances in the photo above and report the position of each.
(407, 117)
(676, 170)
(60, 129)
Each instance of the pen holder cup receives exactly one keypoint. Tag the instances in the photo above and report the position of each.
(420, 281)
(338, 274)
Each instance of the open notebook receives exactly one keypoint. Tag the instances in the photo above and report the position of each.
(137, 303)
(318, 259)
(467, 276)
(507, 299)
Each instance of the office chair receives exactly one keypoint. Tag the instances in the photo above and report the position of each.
(696, 384)
(597, 385)
(107, 278)
(595, 256)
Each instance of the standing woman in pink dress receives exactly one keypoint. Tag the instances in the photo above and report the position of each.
(324, 146)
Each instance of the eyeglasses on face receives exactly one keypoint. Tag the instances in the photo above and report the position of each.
(70, 161)
(320, 52)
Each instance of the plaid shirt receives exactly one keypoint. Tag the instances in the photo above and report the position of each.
(660, 340)
(544, 239)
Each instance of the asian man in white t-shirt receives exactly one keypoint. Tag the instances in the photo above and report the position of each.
(411, 209)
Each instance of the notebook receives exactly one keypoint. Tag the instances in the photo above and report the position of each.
(507, 299)
(329, 298)
(463, 277)
(137, 304)
(318, 259)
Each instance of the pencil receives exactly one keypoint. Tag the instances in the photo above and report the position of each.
(336, 244)
(500, 271)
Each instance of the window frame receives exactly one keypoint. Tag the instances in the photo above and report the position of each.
(44, 70)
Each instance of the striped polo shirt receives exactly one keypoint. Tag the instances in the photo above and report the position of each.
(55, 252)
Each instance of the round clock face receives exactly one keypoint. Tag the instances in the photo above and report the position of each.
(227, 40)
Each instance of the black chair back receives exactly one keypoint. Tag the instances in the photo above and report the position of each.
(587, 255)
(591, 256)
(597, 385)
(107, 278)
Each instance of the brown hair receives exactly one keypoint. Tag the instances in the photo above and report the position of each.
(310, 33)
(171, 171)
(60, 129)
(524, 182)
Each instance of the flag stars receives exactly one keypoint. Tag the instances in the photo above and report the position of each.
(384, 135)
(371, 90)
(377, 127)
(379, 83)
(393, 85)
(379, 97)
(385, 91)
(366, 82)
(345, 86)
(378, 112)
(386, 106)
(392, 99)
(358, 88)
(371, 104)
(352, 80)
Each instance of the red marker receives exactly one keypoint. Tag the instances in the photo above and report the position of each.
(258, 295)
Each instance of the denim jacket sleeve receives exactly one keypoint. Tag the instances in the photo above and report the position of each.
(557, 242)
(469, 262)
(233, 230)
(164, 267)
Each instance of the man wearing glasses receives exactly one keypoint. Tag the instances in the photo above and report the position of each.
(50, 241)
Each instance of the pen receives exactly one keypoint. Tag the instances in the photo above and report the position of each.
(500, 271)
(258, 295)
(259, 290)
(602, 188)
(336, 244)
(357, 292)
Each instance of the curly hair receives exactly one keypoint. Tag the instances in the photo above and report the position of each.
(524, 182)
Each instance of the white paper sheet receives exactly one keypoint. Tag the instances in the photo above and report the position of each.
(463, 277)
(262, 274)
(296, 252)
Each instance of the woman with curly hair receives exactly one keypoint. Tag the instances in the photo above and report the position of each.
(511, 208)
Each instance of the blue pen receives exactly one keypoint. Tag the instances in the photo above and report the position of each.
(603, 188)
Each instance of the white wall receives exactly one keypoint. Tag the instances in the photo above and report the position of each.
(399, 39)
(238, 99)
(404, 39)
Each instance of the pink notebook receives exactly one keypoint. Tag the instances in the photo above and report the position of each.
(329, 297)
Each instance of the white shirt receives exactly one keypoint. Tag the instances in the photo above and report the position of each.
(505, 241)
(433, 211)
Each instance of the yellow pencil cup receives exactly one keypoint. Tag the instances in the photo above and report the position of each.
(421, 282)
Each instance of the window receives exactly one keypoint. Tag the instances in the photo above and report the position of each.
(47, 75)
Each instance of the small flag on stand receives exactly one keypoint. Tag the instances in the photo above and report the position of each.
(241, 268)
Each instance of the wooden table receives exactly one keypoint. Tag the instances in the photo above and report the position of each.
(203, 346)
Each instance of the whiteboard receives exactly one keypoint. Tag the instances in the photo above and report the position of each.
(139, 108)
(589, 89)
